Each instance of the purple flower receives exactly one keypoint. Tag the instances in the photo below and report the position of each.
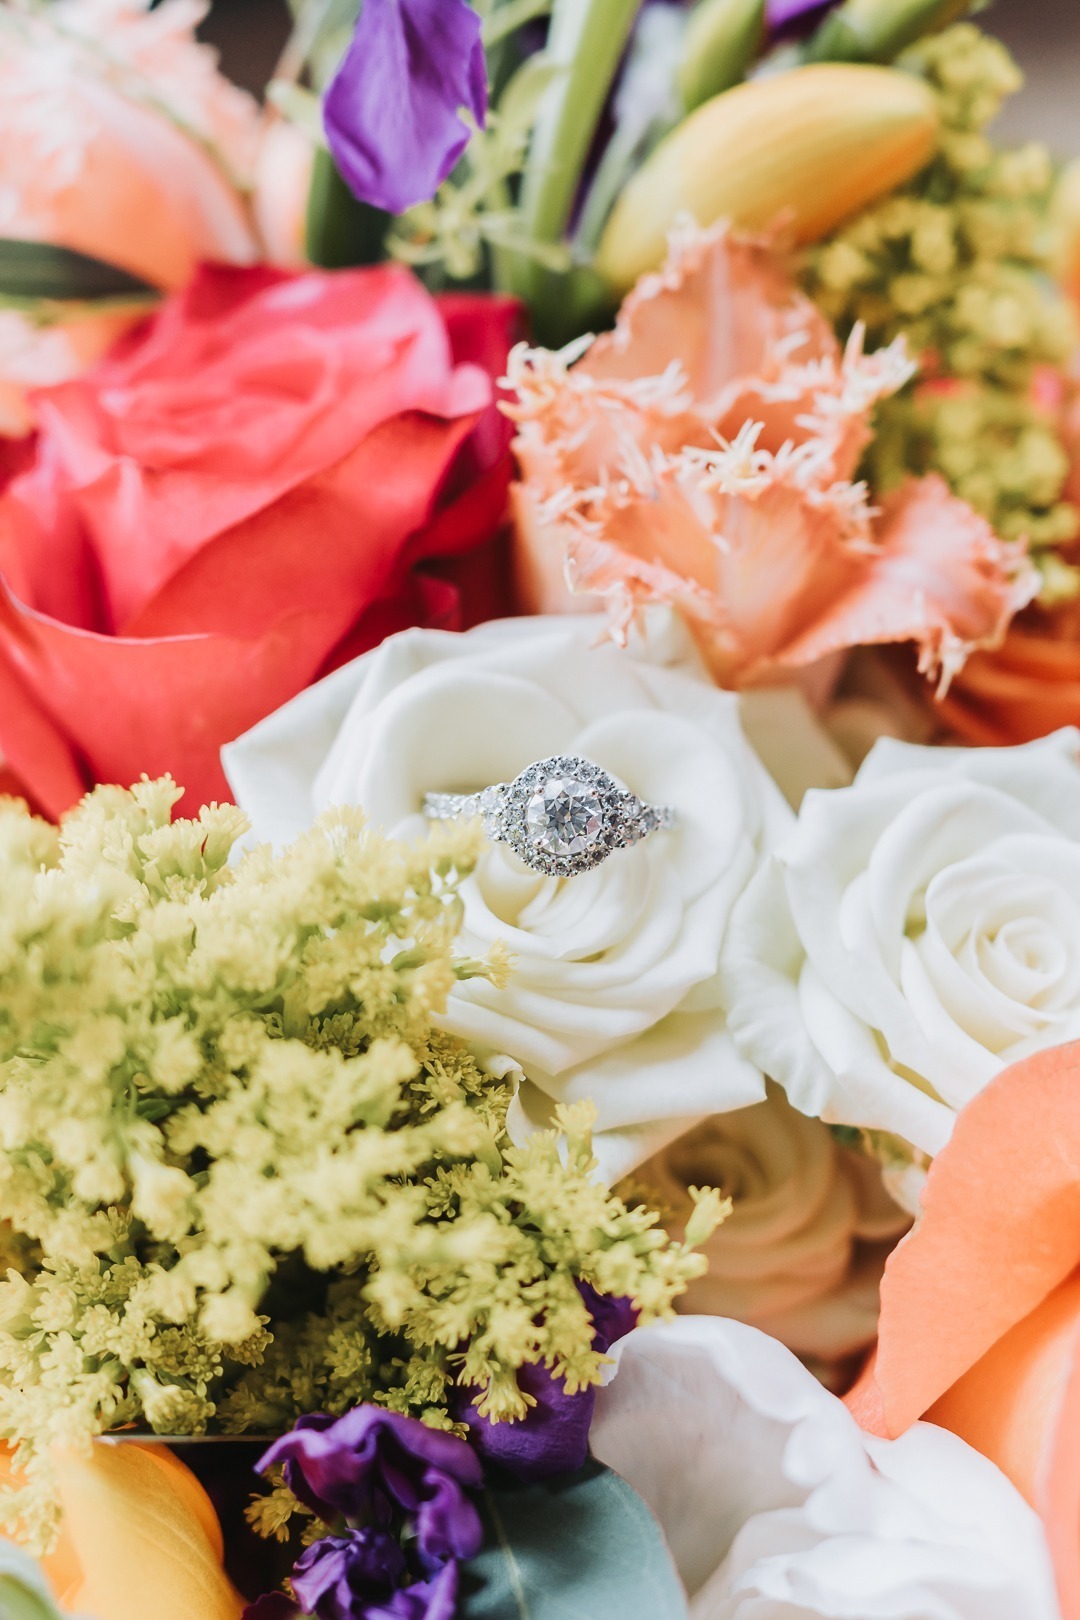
(424, 1600)
(272, 1606)
(392, 112)
(554, 1437)
(338, 1574)
(371, 1466)
(784, 15)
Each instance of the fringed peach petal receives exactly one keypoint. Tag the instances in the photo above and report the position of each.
(742, 542)
(937, 576)
(723, 307)
(703, 455)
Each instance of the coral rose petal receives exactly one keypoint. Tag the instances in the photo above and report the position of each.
(1029, 687)
(980, 1305)
(240, 496)
(981, 1259)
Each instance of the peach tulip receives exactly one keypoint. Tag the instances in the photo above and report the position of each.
(980, 1304)
(138, 1537)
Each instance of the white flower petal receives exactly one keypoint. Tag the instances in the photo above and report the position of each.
(933, 934)
(777, 1507)
(615, 993)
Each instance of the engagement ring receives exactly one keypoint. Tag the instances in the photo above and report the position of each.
(561, 816)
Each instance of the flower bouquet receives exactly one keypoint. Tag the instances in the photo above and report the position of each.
(540, 818)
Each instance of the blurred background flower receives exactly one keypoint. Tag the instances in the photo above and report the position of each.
(802, 1252)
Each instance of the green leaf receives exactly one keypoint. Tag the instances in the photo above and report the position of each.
(19, 1602)
(341, 231)
(42, 271)
(24, 1591)
(583, 1547)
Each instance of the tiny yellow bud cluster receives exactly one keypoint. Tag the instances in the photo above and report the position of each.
(956, 262)
(244, 1176)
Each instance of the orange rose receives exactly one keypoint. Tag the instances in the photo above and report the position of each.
(980, 1304)
(1029, 687)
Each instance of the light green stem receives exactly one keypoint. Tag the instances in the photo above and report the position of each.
(513, 15)
(586, 40)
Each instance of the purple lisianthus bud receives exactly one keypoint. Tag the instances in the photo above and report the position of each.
(372, 1464)
(392, 112)
(783, 16)
(553, 1438)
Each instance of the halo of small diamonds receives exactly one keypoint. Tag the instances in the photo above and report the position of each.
(561, 816)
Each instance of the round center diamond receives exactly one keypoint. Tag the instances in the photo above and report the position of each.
(563, 817)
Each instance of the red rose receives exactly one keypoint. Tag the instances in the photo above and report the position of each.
(237, 498)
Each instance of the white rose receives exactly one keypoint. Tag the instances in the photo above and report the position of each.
(802, 1253)
(918, 932)
(614, 994)
(777, 1507)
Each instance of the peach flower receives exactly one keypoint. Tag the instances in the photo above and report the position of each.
(801, 1254)
(980, 1304)
(120, 139)
(1030, 685)
(138, 1536)
(704, 454)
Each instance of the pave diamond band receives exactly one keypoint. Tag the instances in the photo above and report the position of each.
(562, 816)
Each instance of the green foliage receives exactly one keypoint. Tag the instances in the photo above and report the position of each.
(584, 1544)
(956, 262)
(244, 1174)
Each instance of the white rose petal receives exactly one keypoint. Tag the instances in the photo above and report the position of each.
(777, 1507)
(801, 1254)
(919, 931)
(614, 994)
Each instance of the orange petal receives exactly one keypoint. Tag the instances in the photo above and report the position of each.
(1020, 1406)
(998, 1231)
(1027, 688)
(140, 1538)
(980, 1304)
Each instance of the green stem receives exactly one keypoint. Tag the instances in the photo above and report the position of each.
(311, 18)
(586, 40)
(511, 16)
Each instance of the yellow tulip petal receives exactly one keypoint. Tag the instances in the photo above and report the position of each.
(807, 148)
(142, 1539)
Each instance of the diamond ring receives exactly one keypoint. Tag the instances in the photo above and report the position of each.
(562, 816)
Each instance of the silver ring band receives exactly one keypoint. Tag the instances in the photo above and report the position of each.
(562, 816)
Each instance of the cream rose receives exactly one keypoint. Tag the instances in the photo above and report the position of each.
(801, 1254)
(918, 932)
(777, 1507)
(614, 994)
